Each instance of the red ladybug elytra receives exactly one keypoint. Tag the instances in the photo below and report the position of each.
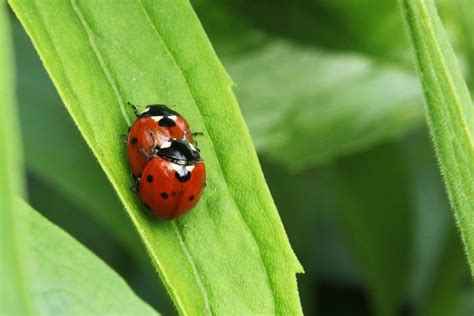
(155, 125)
(173, 181)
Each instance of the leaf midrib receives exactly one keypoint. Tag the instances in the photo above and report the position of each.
(441, 61)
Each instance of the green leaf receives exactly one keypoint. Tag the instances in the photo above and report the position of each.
(342, 25)
(62, 270)
(449, 110)
(231, 254)
(15, 298)
(319, 103)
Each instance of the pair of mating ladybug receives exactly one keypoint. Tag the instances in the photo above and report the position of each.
(168, 171)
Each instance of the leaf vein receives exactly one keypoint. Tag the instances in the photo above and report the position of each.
(100, 59)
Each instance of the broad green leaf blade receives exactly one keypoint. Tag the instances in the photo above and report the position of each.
(230, 255)
(15, 298)
(67, 279)
(449, 109)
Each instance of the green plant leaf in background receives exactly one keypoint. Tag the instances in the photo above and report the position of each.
(322, 104)
(378, 222)
(444, 295)
(333, 105)
(62, 270)
(431, 216)
(15, 297)
(449, 109)
(230, 255)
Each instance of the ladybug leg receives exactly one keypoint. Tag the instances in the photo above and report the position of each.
(197, 134)
(154, 147)
(145, 154)
(125, 138)
(135, 182)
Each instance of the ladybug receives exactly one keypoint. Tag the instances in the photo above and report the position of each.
(173, 180)
(153, 127)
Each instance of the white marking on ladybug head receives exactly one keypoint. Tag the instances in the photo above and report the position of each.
(166, 144)
(173, 117)
(179, 166)
(192, 147)
(157, 118)
(190, 168)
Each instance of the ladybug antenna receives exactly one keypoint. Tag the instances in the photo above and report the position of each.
(134, 108)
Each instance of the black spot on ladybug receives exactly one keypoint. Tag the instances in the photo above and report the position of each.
(191, 197)
(164, 195)
(182, 175)
(149, 178)
(166, 122)
(134, 140)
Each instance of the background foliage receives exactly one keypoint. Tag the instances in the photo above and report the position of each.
(329, 92)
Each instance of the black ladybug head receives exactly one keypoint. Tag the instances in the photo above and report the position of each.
(158, 110)
(179, 151)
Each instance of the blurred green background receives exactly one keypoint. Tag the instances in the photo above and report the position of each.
(332, 101)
